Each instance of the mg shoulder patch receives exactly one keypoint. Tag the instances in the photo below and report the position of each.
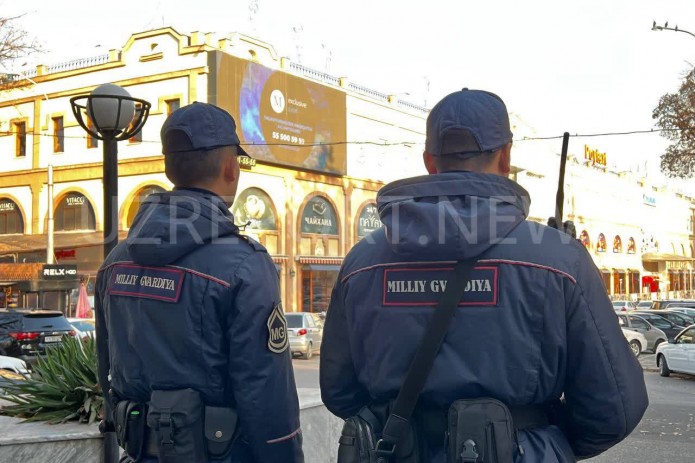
(277, 330)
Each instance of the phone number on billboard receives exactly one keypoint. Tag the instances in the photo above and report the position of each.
(288, 138)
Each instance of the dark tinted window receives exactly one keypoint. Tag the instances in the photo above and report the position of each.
(658, 321)
(639, 323)
(294, 320)
(46, 322)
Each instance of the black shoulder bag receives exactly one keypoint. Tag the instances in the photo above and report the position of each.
(358, 442)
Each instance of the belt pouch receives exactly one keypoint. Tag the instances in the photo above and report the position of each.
(357, 440)
(220, 427)
(130, 418)
(176, 417)
(480, 431)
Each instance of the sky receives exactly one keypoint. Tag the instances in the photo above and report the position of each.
(586, 67)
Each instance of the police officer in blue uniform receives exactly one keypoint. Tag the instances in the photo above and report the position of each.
(534, 324)
(191, 332)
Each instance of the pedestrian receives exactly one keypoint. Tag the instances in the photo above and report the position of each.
(191, 334)
(533, 337)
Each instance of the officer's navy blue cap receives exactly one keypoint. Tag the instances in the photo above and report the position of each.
(467, 122)
(199, 126)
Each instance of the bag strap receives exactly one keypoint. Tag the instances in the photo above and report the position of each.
(423, 361)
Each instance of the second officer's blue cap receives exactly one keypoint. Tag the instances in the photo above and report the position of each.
(199, 126)
(467, 122)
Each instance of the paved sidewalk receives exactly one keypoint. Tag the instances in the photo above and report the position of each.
(648, 362)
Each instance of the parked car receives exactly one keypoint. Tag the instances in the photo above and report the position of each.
(83, 326)
(678, 355)
(7, 376)
(623, 306)
(305, 332)
(677, 317)
(660, 321)
(643, 305)
(686, 310)
(638, 343)
(26, 333)
(14, 365)
(653, 335)
(665, 304)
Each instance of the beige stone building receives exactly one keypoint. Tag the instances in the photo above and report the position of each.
(323, 146)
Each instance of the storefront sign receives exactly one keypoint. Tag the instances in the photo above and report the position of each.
(368, 220)
(66, 254)
(74, 200)
(59, 272)
(7, 206)
(649, 200)
(319, 217)
(253, 208)
(246, 162)
(677, 265)
(594, 156)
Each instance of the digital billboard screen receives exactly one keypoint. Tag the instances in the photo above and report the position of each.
(281, 118)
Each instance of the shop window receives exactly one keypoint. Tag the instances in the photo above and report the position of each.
(58, 135)
(634, 282)
(584, 239)
(20, 133)
(253, 209)
(172, 105)
(368, 220)
(317, 285)
(74, 213)
(319, 217)
(11, 220)
(606, 276)
(617, 244)
(631, 248)
(601, 243)
(137, 138)
(140, 196)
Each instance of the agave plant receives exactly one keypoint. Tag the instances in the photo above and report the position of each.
(62, 387)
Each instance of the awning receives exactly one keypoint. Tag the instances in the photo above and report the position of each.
(605, 270)
(325, 268)
(26, 243)
(320, 260)
(663, 256)
(280, 259)
(619, 270)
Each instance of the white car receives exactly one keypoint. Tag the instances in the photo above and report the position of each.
(637, 341)
(14, 365)
(678, 355)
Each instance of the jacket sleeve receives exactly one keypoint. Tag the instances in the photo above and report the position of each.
(605, 393)
(102, 345)
(260, 371)
(341, 392)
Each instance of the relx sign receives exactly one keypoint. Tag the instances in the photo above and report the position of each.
(59, 272)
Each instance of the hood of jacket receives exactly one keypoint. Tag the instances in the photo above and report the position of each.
(172, 224)
(452, 215)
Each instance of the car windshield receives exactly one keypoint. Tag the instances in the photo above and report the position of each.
(46, 322)
(294, 320)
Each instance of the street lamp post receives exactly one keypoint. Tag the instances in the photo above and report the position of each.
(111, 110)
(666, 28)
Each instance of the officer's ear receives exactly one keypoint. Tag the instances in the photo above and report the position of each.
(504, 161)
(430, 163)
(230, 165)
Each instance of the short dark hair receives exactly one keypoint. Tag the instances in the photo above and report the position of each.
(194, 167)
(475, 163)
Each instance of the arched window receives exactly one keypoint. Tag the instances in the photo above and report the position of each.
(11, 220)
(253, 209)
(584, 239)
(601, 243)
(74, 212)
(140, 196)
(617, 244)
(319, 217)
(368, 220)
(631, 247)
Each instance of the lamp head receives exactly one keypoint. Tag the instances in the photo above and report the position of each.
(110, 108)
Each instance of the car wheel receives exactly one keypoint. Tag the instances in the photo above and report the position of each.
(636, 347)
(663, 367)
(309, 351)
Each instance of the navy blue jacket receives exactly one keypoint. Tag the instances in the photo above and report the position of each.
(534, 323)
(186, 302)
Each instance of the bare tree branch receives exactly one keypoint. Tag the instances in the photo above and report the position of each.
(15, 42)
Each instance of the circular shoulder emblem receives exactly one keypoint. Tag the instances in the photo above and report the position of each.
(277, 330)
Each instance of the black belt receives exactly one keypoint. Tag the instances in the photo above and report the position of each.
(433, 421)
